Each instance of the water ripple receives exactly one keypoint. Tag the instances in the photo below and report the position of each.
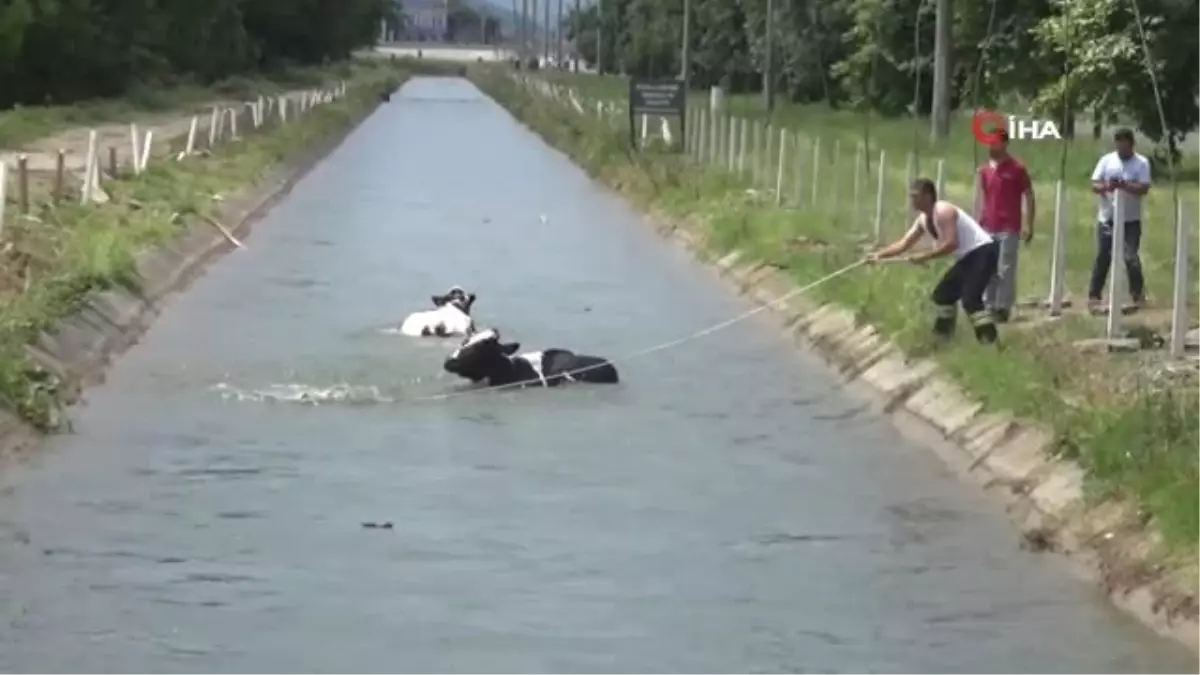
(306, 394)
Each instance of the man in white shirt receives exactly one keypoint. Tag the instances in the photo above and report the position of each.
(1129, 172)
(975, 253)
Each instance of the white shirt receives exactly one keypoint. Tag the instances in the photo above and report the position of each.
(1112, 167)
(971, 234)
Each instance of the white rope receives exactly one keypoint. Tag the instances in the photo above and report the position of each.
(656, 348)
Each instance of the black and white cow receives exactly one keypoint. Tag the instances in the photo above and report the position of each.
(452, 316)
(482, 357)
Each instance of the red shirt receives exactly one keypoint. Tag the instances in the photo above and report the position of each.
(1003, 186)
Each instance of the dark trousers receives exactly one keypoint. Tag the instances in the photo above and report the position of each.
(965, 283)
(1133, 262)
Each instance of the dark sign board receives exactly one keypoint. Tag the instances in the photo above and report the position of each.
(656, 97)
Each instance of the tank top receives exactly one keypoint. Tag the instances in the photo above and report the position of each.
(971, 234)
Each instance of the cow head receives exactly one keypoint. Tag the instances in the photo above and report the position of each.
(480, 355)
(456, 297)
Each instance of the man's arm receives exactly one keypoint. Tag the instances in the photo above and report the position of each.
(946, 219)
(982, 185)
(1140, 184)
(1030, 206)
(900, 245)
(1099, 185)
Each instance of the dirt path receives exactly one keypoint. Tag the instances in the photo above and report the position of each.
(42, 152)
(170, 129)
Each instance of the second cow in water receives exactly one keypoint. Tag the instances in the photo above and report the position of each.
(482, 357)
(452, 316)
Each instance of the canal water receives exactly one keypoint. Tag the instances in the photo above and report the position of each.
(724, 509)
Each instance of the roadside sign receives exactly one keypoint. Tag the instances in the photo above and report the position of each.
(661, 98)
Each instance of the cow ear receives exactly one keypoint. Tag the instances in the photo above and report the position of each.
(438, 300)
(470, 299)
(510, 348)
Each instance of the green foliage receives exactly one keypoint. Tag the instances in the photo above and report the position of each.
(1098, 61)
(62, 51)
(1029, 56)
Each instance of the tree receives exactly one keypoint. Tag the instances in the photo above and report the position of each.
(65, 50)
(877, 54)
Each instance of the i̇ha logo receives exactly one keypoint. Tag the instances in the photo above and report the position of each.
(986, 126)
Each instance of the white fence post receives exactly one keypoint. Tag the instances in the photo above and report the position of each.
(1058, 254)
(136, 147)
(879, 197)
(1179, 293)
(910, 169)
(3, 191)
(816, 172)
(733, 143)
(743, 141)
(146, 149)
(213, 122)
(191, 137)
(89, 167)
(837, 177)
(977, 193)
(1116, 283)
(798, 169)
(859, 155)
(783, 136)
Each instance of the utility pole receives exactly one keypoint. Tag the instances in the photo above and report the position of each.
(546, 31)
(575, 37)
(523, 31)
(769, 60)
(558, 49)
(518, 25)
(941, 72)
(599, 37)
(685, 57)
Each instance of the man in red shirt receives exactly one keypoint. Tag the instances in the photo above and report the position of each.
(1003, 185)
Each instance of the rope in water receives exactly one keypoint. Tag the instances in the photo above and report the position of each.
(658, 347)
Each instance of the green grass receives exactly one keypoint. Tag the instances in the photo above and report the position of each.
(1136, 435)
(51, 265)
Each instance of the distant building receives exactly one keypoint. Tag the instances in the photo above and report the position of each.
(426, 19)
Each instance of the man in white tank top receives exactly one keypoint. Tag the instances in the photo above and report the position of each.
(975, 256)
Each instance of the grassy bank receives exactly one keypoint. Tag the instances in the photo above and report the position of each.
(25, 123)
(53, 260)
(1134, 429)
(22, 124)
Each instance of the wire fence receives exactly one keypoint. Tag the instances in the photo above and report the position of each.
(835, 177)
